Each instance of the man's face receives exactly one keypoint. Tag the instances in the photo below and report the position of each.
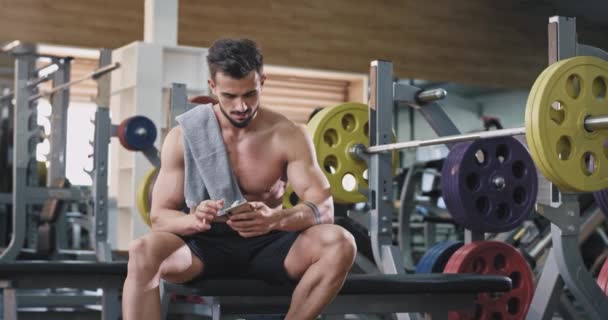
(239, 99)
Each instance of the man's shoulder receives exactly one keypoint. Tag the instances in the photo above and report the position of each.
(284, 126)
(175, 137)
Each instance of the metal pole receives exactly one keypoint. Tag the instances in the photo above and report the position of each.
(93, 75)
(591, 123)
(596, 123)
(432, 95)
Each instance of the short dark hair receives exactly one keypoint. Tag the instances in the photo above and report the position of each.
(234, 57)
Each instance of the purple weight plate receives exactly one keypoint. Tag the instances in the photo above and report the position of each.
(449, 187)
(601, 198)
(489, 185)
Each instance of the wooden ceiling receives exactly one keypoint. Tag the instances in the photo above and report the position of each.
(490, 43)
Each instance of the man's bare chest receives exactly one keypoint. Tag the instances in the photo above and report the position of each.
(256, 163)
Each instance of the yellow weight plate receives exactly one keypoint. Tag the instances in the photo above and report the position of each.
(144, 192)
(290, 198)
(528, 116)
(571, 157)
(560, 177)
(538, 149)
(334, 131)
(532, 131)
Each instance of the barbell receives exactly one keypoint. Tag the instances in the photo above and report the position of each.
(565, 121)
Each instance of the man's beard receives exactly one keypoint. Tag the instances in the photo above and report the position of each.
(241, 124)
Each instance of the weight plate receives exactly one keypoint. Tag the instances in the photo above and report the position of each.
(137, 133)
(334, 131)
(435, 259)
(290, 198)
(601, 199)
(530, 131)
(144, 195)
(489, 185)
(203, 100)
(572, 157)
(495, 258)
(602, 279)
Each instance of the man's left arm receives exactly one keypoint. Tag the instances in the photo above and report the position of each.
(309, 183)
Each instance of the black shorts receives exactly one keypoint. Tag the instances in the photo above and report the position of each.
(225, 254)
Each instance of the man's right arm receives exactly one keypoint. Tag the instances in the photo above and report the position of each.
(168, 193)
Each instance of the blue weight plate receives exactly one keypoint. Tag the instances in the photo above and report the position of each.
(489, 185)
(435, 259)
(137, 133)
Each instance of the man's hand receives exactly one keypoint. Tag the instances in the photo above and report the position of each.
(200, 218)
(254, 223)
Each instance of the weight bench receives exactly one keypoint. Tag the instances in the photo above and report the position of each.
(62, 274)
(435, 294)
(360, 294)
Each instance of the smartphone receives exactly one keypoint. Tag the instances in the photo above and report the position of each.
(236, 209)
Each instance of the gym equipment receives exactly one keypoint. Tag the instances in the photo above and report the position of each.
(601, 198)
(563, 115)
(435, 259)
(20, 275)
(144, 195)
(495, 258)
(421, 219)
(334, 131)
(137, 133)
(489, 185)
(360, 294)
(564, 266)
(602, 279)
(583, 172)
(27, 197)
(53, 207)
(290, 198)
(203, 100)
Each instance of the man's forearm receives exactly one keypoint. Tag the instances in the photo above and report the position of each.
(168, 220)
(303, 216)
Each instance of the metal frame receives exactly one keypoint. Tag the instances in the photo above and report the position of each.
(342, 304)
(12, 285)
(25, 195)
(564, 265)
(384, 95)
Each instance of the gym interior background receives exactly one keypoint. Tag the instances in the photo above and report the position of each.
(80, 198)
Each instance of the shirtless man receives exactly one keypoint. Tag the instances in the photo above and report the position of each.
(300, 244)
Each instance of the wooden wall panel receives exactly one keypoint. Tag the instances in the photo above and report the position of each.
(496, 43)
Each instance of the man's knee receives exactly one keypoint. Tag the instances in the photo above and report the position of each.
(143, 262)
(340, 242)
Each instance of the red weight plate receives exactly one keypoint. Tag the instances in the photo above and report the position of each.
(203, 100)
(495, 258)
(121, 133)
(602, 279)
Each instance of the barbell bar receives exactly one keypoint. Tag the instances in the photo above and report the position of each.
(592, 123)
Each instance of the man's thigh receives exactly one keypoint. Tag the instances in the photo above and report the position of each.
(268, 261)
(181, 265)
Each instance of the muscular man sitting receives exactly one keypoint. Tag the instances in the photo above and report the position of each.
(300, 244)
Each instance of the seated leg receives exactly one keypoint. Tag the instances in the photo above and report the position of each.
(321, 258)
(154, 256)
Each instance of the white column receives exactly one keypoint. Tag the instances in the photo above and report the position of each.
(160, 22)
